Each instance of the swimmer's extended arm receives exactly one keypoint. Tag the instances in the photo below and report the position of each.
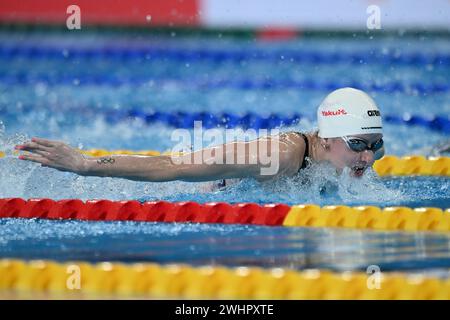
(168, 168)
(239, 160)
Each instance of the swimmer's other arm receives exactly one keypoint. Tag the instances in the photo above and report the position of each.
(61, 156)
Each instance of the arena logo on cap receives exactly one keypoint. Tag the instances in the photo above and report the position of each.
(339, 112)
(373, 113)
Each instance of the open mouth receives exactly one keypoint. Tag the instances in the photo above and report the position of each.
(358, 170)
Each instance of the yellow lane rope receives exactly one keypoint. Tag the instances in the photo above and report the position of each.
(149, 280)
(369, 217)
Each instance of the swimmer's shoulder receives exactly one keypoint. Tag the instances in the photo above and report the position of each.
(295, 147)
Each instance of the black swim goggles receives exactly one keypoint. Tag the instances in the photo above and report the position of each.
(359, 145)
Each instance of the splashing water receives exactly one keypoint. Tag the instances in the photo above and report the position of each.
(319, 184)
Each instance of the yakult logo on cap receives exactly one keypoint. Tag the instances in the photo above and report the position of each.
(339, 112)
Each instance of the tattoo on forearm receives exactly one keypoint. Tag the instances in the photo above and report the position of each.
(106, 161)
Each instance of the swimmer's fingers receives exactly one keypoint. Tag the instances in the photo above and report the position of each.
(59, 155)
(35, 158)
(45, 162)
(32, 146)
(42, 143)
(46, 142)
(43, 153)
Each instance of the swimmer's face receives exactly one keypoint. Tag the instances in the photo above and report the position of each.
(341, 156)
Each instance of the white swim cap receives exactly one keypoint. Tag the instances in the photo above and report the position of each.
(348, 111)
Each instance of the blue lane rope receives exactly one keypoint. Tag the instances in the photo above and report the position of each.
(23, 78)
(181, 119)
(252, 120)
(218, 56)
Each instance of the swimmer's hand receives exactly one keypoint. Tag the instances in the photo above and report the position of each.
(53, 154)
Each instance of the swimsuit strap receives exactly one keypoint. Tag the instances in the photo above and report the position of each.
(305, 161)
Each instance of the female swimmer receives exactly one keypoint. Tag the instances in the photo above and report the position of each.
(349, 135)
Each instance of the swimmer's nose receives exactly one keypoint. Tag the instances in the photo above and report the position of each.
(367, 156)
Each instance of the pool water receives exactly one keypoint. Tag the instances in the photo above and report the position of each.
(200, 244)
(63, 85)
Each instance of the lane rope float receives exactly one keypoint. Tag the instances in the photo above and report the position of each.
(248, 120)
(177, 281)
(308, 215)
(24, 78)
(152, 53)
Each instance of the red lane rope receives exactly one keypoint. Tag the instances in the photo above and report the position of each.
(151, 211)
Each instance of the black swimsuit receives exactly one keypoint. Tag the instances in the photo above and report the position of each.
(305, 161)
